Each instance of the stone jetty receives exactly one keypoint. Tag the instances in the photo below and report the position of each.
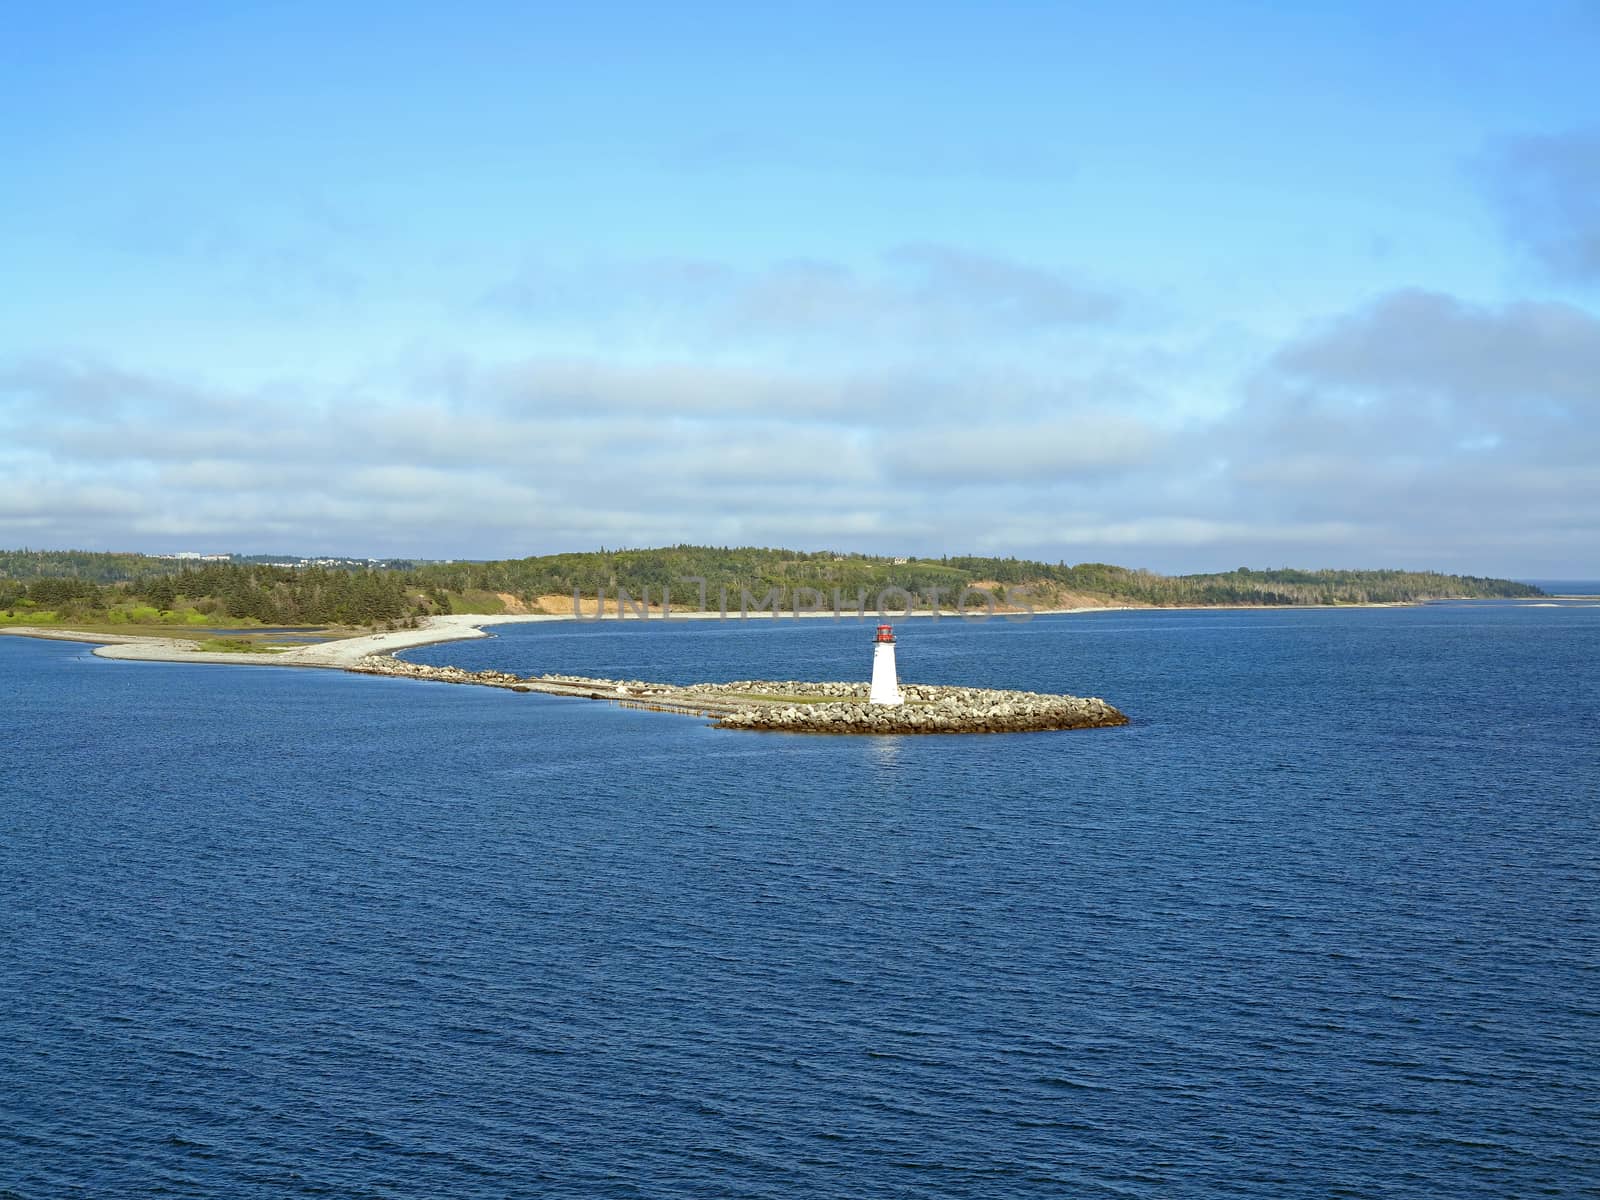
(795, 706)
(932, 709)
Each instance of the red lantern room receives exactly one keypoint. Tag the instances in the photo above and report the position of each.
(885, 633)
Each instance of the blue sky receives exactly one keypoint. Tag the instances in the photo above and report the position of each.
(1179, 286)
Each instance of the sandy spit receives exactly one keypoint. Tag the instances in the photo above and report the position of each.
(345, 652)
(337, 654)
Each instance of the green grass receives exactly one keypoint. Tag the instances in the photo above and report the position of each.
(21, 616)
(780, 698)
(170, 625)
(477, 600)
(232, 645)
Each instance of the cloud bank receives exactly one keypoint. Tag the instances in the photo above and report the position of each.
(1417, 429)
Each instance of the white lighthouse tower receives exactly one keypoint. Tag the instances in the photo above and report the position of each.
(885, 686)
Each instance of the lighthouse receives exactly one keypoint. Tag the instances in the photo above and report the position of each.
(885, 686)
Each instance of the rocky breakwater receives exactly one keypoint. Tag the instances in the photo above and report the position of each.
(638, 693)
(796, 706)
(930, 709)
(382, 664)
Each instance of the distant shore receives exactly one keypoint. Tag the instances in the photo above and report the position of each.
(344, 653)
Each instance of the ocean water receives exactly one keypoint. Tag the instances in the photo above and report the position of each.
(1568, 587)
(1321, 922)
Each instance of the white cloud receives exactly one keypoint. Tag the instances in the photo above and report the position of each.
(1415, 430)
(1042, 451)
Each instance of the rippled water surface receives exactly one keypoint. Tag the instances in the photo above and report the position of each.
(1321, 922)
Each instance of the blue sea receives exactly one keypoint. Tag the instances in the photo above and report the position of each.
(1322, 921)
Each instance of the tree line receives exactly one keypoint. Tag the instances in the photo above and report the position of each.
(760, 571)
(83, 582)
(270, 595)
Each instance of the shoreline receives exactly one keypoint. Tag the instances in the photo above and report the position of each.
(343, 653)
(788, 707)
(336, 654)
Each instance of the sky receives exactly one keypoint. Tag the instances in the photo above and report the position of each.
(1180, 286)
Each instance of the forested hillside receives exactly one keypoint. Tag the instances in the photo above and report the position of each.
(92, 586)
(221, 594)
(87, 565)
(759, 571)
